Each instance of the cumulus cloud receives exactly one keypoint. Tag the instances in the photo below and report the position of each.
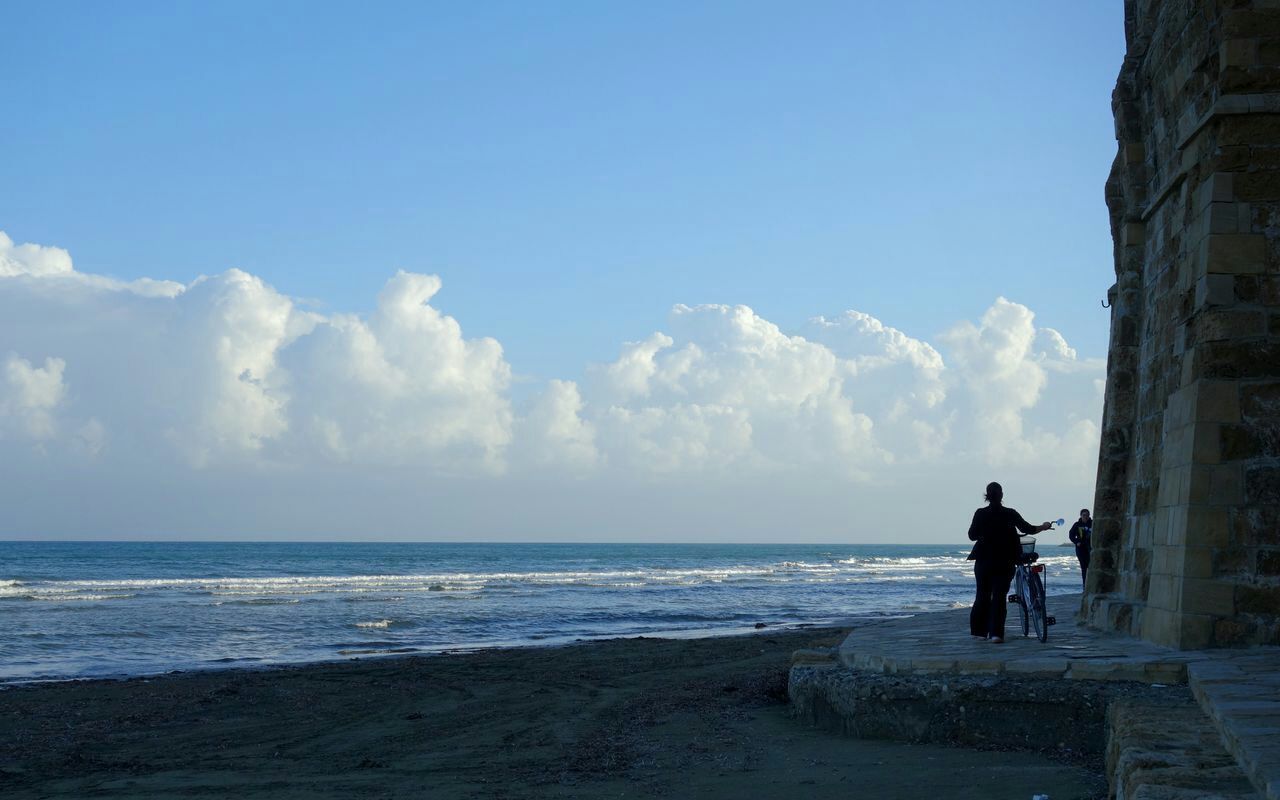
(731, 393)
(229, 370)
(226, 387)
(403, 387)
(1005, 366)
(29, 396)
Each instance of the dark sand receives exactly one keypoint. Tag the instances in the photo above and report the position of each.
(620, 718)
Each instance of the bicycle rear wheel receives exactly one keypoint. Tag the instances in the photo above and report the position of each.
(1038, 613)
(1020, 592)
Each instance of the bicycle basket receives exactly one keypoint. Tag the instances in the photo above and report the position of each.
(1028, 544)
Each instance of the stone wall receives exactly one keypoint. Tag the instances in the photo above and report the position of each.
(1187, 538)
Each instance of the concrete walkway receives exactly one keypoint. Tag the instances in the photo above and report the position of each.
(1238, 689)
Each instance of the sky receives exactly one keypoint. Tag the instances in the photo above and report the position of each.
(559, 271)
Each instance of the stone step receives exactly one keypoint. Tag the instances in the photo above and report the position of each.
(1241, 695)
(1170, 751)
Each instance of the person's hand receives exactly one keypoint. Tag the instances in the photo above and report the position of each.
(1046, 526)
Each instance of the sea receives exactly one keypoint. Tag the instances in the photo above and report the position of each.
(114, 609)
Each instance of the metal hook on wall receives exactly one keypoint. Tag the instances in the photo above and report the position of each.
(1105, 304)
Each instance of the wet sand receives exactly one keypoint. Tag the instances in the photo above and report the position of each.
(618, 718)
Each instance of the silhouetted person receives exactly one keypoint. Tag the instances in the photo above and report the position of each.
(1081, 536)
(996, 550)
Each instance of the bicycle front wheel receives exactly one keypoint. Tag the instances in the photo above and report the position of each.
(1020, 592)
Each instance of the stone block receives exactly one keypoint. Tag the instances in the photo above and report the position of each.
(1165, 592)
(1230, 158)
(1166, 672)
(1244, 218)
(1262, 484)
(1160, 527)
(1218, 187)
(1217, 401)
(1107, 669)
(1234, 253)
(1047, 665)
(1160, 625)
(1221, 324)
(1178, 439)
(1215, 290)
(1231, 561)
(1256, 526)
(1222, 218)
(1197, 562)
(1237, 53)
(1207, 445)
(1166, 560)
(1142, 532)
(1262, 186)
(1268, 562)
(1207, 596)
(1226, 485)
(931, 664)
(1207, 526)
(1169, 493)
(812, 656)
(1259, 439)
(1229, 633)
(1260, 400)
(1264, 600)
(1268, 287)
(980, 666)
(1235, 360)
(1195, 631)
(1133, 234)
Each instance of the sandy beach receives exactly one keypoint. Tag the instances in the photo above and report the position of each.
(617, 718)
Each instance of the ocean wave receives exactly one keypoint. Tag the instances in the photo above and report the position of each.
(378, 652)
(382, 587)
(70, 597)
(377, 623)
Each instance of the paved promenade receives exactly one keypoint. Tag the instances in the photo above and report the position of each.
(1238, 689)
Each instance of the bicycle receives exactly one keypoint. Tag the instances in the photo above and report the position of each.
(1029, 591)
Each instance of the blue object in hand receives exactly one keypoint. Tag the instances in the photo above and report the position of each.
(1060, 522)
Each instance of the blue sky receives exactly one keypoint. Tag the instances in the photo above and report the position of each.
(615, 223)
(571, 170)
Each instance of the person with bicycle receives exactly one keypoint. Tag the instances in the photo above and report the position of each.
(994, 532)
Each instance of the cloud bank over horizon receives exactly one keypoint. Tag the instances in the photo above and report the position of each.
(224, 407)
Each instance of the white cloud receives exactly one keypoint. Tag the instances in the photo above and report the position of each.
(226, 386)
(1007, 367)
(403, 387)
(554, 434)
(29, 397)
(729, 392)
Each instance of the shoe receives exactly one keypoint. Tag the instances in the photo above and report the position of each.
(997, 640)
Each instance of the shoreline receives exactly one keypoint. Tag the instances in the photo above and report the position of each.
(342, 657)
(634, 717)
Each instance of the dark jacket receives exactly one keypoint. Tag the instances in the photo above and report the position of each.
(994, 531)
(1080, 534)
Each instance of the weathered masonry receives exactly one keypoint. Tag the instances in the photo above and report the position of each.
(1187, 543)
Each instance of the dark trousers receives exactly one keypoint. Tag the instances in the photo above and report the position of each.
(1082, 553)
(991, 603)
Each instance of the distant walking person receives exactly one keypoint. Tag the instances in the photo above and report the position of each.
(996, 549)
(1081, 536)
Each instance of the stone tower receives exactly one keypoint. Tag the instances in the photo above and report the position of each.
(1187, 540)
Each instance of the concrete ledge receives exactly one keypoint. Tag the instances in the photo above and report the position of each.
(1241, 694)
(939, 643)
(924, 679)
